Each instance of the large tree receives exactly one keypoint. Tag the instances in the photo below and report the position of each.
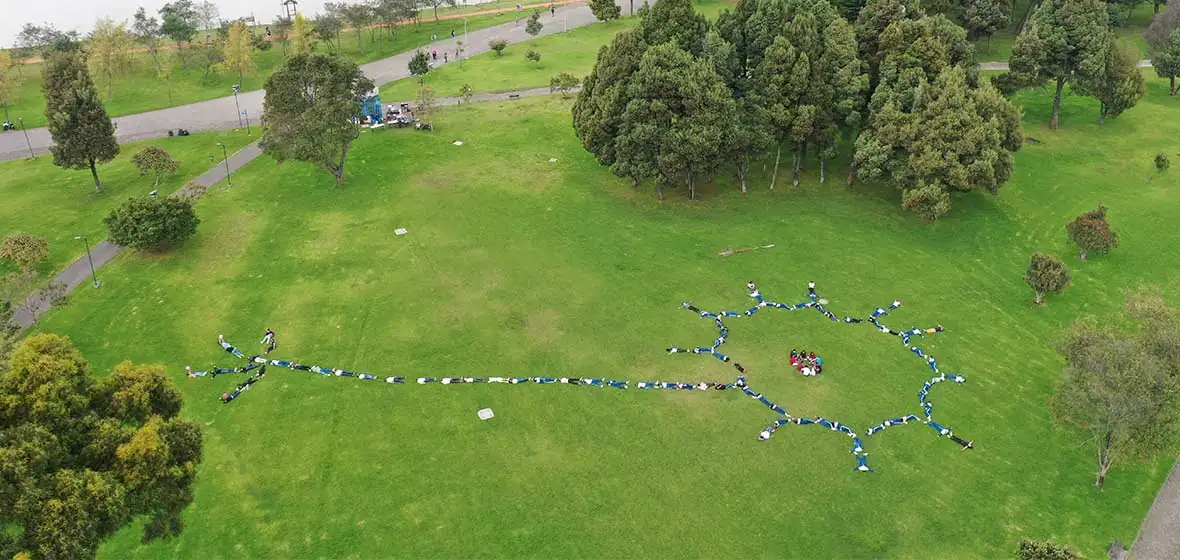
(598, 110)
(1163, 43)
(83, 456)
(1065, 41)
(312, 111)
(110, 51)
(678, 21)
(179, 23)
(1121, 386)
(146, 30)
(676, 126)
(1119, 85)
(238, 50)
(83, 134)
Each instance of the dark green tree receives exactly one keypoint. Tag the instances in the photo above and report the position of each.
(1044, 550)
(1163, 43)
(152, 224)
(311, 111)
(780, 86)
(534, 25)
(178, 21)
(752, 135)
(83, 134)
(677, 21)
(533, 56)
(874, 19)
(1121, 386)
(1119, 85)
(604, 10)
(1092, 234)
(420, 66)
(82, 456)
(598, 110)
(1065, 41)
(1046, 274)
(679, 120)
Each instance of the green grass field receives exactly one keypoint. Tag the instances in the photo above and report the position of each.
(515, 266)
(573, 52)
(60, 203)
(140, 90)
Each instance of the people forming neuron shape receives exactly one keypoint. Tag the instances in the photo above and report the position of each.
(810, 364)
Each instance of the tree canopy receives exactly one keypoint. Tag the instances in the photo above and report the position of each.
(312, 109)
(81, 456)
(1046, 274)
(1121, 386)
(604, 10)
(152, 224)
(83, 134)
(238, 50)
(1163, 43)
(110, 50)
(24, 249)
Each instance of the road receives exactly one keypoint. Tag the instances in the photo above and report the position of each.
(220, 114)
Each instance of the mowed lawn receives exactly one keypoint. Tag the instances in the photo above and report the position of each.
(999, 47)
(574, 52)
(515, 266)
(59, 204)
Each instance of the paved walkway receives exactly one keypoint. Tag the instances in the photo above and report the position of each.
(222, 113)
(78, 273)
(1159, 535)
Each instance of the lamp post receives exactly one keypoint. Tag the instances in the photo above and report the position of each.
(21, 120)
(225, 154)
(247, 115)
(466, 39)
(237, 90)
(90, 259)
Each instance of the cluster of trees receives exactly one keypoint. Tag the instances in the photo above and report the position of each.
(1091, 232)
(1070, 42)
(82, 456)
(677, 99)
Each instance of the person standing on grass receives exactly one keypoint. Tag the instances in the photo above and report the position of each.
(269, 341)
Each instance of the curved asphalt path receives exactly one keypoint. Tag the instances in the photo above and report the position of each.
(220, 114)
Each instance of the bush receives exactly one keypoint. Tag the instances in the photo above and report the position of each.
(25, 250)
(466, 92)
(1092, 233)
(533, 55)
(498, 45)
(1037, 550)
(151, 224)
(563, 83)
(1046, 274)
(1162, 163)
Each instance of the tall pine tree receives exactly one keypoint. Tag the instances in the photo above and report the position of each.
(83, 134)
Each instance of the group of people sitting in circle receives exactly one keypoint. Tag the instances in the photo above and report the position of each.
(807, 363)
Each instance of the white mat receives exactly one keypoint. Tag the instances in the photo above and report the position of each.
(485, 414)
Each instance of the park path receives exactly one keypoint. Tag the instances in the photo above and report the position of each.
(78, 273)
(222, 113)
(1159, 535)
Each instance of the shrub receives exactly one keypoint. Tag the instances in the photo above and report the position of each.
(466, 92)
(151, 224)
(498, 45)
(533, 55)
(1162, 163)
(25, 250)
(1092, 233)
(1046, 274)
(1037, 550)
